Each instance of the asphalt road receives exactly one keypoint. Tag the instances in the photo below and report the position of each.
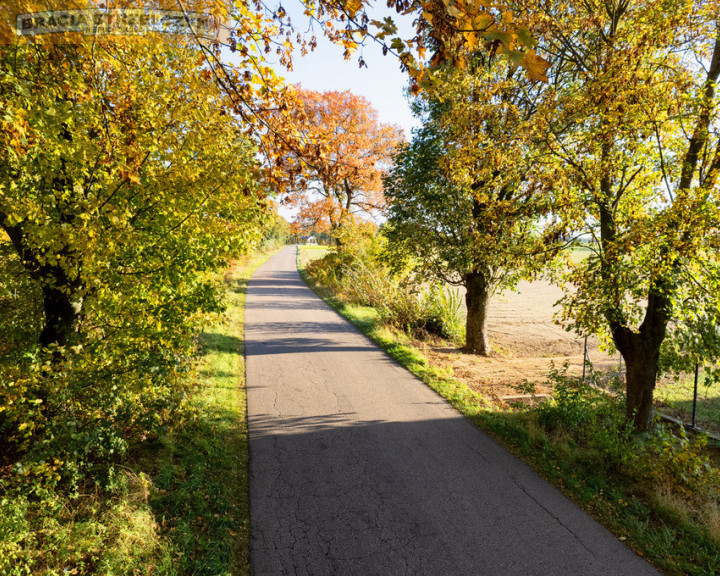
(357, 468)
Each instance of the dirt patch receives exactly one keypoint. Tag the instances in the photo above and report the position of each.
(526, 343)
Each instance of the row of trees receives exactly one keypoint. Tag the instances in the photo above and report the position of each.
(129, 173)
(618, 147)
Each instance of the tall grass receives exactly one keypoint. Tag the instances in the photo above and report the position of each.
(401, 300)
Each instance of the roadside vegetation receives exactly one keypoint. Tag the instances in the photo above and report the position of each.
(659, 491)
(177, 504)
(134, 170)
(200, 470)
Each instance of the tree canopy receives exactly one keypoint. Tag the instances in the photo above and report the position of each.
(125, 185)
(338, 171)
(465, 196)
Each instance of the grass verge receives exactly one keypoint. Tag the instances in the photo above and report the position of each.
(201, 475)
(675, 526)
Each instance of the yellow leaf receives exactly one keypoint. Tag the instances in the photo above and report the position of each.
(536, 66)
(471, 40)
(482, 21)
(353, 6)
(454, 12)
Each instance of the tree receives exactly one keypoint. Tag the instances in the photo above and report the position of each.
(464, 199)
(125, 186)
(338, 171)
(105, 170)
(633, 126)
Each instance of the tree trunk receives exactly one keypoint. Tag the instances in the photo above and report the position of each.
(62, 311)
(476, 299)
(61, 316)
(641, 367)
(641, 352)
(640, 349)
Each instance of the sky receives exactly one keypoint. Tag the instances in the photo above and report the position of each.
(382, 82)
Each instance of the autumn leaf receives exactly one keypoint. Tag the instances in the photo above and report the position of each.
(536, 66)
(335, 166)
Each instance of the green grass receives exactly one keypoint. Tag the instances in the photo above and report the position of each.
(678, 531)
(315, 248)
(201, 477)
(307, 254)
(679, 398)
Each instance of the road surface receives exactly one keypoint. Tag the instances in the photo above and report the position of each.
(357, 468)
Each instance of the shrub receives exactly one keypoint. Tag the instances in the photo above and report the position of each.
(51, 533)
(665, 457)
(401, 300)
(329, 269)
(671, 458)
(394, 297)
(69, 414)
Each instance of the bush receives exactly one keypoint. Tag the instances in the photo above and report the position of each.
(68, 415)
(329, 269)
(671, 458)
(74, 420)
(395, 298)
(400, 299)
(50, 533)
(589, 417)
(595, 420)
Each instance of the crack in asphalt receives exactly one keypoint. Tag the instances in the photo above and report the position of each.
(552, 515)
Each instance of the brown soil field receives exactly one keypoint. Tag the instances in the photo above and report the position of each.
(526, 343)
